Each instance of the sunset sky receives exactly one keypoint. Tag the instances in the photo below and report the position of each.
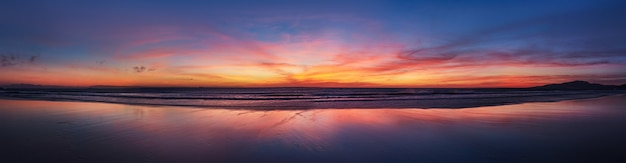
(317, 43)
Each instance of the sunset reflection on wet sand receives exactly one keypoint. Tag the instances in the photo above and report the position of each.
(576, 130)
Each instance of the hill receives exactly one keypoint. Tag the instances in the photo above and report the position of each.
(579, 85)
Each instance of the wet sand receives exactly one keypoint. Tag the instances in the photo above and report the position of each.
(587, 130)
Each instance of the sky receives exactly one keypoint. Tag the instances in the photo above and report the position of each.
(317, 43)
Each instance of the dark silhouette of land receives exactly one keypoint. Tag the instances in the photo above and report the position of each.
(579, 85)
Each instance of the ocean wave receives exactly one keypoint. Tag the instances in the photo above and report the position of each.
(311, 98)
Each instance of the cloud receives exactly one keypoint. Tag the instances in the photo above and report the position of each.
(13, 59)
(32, 59)
(581, 38)
(140, 69)
(9, 60)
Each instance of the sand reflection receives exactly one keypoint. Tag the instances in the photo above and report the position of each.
(98, 131)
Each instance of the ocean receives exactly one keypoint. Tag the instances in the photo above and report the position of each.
(303, 98)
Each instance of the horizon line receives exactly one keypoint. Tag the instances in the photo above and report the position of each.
(388, 87)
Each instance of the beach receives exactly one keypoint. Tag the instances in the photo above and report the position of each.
(313, 81)
(583, 130)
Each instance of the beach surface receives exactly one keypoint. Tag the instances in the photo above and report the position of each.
(583, 130)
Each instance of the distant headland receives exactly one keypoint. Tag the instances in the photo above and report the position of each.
(579, 85)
